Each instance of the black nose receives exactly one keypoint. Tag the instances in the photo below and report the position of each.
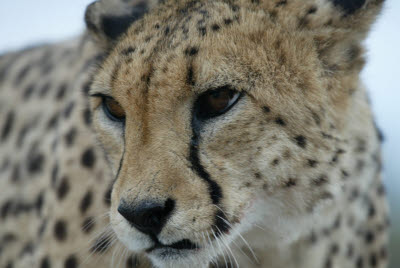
(148, 216)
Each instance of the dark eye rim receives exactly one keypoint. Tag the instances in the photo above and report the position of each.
(219, 113)
(105, 109)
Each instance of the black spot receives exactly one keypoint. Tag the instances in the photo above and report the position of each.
(191, 51)
(215, 27)
(71, 262)
(45, 263)
(381, 190)
(9, 264)
(63, 188)
(371, 211)
(15, 175)
(369, 237)
(28, 91)
(266, 109)
(383, 252)
(280, 121)
(68, 109)
(349, 6)
(27, 249)
(202, 30)
(22, 134)
(350, 251)
(87, 116)
(301, 141)
(54, 174)
(21, 75)
(52, 122)
(359, 262)
(312, 10)
(128, 51)
(167, 30)
(88, 158)
(275, 162)
(312, 163)
(373, 260)
(61, 91)
(228, 21)
(6, 209)
(86, 87)
(86, 202)
(70, 136)
(39, 201)
(35, 162)
(291, 182)
(321, 180)
(257, 175)
(334, 249)
(45, 88)
(60, 230)
(8, 125)
(328, 263)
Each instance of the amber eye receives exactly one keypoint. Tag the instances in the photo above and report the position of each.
(216, 102)
(113, 109)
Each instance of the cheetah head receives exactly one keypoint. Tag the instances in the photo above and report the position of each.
(220, 119)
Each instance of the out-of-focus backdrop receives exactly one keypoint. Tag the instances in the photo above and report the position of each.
(27, 22)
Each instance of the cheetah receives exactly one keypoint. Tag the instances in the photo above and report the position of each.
(180, 133)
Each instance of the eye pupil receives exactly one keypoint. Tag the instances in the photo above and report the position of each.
(113, 109)
(215, 102)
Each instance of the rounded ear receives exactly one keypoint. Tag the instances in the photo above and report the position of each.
(349, 6)
(107, 20)
(340, 39)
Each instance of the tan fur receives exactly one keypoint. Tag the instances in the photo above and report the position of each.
(297, 158)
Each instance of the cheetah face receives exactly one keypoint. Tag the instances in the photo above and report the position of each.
(212, 117)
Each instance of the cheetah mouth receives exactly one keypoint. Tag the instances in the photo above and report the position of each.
(161, 249)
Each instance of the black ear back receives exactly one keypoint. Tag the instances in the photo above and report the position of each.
(349, 6)
(107, 20)
(114, 26)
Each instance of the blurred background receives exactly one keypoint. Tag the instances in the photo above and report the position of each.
(27, 22)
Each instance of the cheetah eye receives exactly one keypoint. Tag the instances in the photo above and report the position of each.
(113, 109)
(215, 102)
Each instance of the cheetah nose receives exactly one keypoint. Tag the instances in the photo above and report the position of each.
(148, 217)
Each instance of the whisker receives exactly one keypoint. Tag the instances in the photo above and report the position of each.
(241, 237)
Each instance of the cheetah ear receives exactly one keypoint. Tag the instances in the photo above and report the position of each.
(107, 20)
(339, 27)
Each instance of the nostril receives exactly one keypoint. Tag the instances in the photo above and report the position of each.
(148, 216)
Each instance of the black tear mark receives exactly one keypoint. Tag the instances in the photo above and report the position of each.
(221, 225)
(349, 6)
(213, 187)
